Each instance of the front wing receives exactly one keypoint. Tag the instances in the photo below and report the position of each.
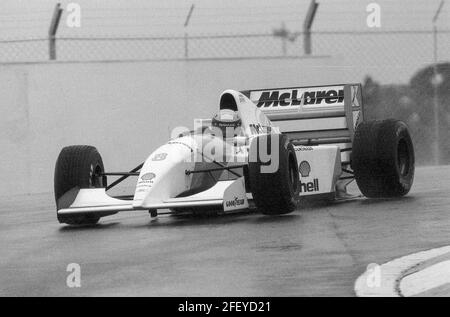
(230, 195)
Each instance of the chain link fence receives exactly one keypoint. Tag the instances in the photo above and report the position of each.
(396, 47)
(378, 53)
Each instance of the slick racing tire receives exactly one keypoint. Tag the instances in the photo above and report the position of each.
(77, 167)
(383, 158)
(276, 191)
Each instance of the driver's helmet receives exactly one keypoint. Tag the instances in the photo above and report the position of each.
(228, 122)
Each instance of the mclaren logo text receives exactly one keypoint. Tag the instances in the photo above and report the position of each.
(294, 98)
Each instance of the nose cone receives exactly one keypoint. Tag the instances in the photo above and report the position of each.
(163, 174)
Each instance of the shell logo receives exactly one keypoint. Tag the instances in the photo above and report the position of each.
(304, 168)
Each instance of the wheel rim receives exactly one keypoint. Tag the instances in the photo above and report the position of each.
(403, 159)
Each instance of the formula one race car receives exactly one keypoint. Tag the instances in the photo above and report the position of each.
(264, 149)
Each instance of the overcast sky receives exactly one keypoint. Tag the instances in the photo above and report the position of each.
(31, 18)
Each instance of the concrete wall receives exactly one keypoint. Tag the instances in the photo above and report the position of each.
(124, 109)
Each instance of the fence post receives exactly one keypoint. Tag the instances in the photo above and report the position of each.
(52, 31)
(307, 27)
(186, 23)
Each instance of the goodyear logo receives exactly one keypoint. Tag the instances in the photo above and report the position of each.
(275, 98)
(235, 203)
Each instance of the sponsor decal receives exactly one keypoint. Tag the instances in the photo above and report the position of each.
(236, 202)
(309, 186)
(276, 98)
(241, 99)
(304, 148)
(304, 168)
(145, 182)
(148, 176)
(159, 157)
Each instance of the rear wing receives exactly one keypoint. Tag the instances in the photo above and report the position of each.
(313, 115)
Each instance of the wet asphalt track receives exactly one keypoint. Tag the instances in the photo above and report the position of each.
(316, 251)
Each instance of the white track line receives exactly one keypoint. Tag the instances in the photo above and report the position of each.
(384, 281)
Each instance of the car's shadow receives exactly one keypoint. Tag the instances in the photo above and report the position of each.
(98, 226)
(165, 221)
(223, 219)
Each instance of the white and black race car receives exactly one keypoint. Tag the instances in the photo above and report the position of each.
(265, 149)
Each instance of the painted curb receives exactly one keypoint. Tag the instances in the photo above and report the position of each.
(391, 274)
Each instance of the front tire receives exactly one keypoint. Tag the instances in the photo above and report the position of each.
(274, 193)
(77, 166)
(383, 158)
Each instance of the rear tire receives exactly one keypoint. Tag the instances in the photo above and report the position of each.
(277, 192)
(77, 167)
(383, 158)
